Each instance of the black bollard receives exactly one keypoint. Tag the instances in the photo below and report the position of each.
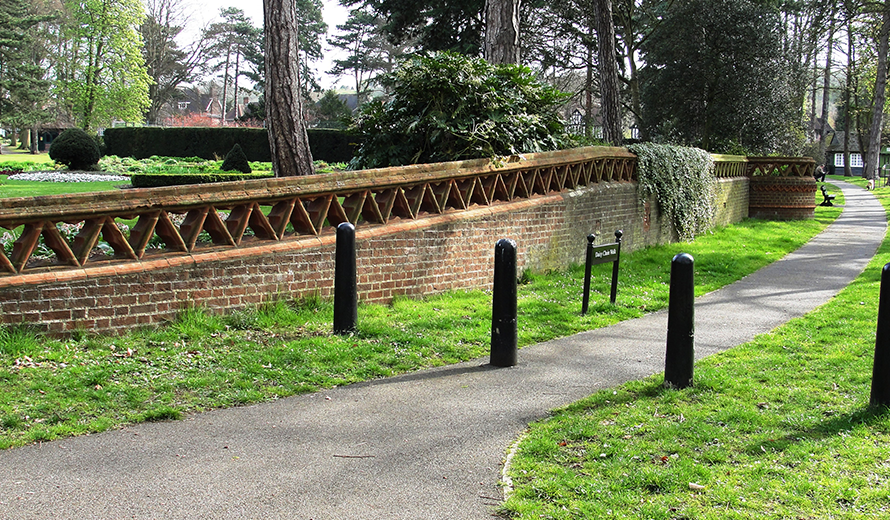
(614, 292)
(680, 356)
(880, 379)
(345, 288)
(588, 265)
(503, 306)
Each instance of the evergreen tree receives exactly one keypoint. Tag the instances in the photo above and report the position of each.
(228, 41)
(716, 77)
(455, 25)
(23, 87)
(362, 39)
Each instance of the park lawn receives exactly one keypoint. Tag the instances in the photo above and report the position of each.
(777, 428)
(57, 388)
(14, 188)
(24, 158)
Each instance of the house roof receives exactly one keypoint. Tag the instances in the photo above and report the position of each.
(837, 142)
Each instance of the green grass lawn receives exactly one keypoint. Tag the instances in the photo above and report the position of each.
(14, 188)
(22, 156)
(52, 389)
(777, 428)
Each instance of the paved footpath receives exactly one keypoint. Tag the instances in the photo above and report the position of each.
(425, 445)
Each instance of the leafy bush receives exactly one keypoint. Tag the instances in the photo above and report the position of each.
(75, 149)
(683, 182)
(447, 107)
(156, 180)
(212, 143)
(236, 161)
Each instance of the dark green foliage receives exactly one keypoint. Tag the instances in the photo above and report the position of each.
(333, 110)
(157, 180)
(212, 143)
(448, 107)
(75, 149)
(23, 87)
(236, 161)
(715, 77)
(456, 25)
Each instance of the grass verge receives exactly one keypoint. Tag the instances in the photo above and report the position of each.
(53, 389)
(777, 428)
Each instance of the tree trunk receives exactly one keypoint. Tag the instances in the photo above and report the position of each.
(502, 31)
(235, 104)
(874, 134)
(588, 94)
(608, 66)
(284, 111)
(225, 93)
(25, 139)
(814, 93)
(35, 139)
(826, 82)
(848, 171)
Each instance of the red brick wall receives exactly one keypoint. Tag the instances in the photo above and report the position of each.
(411, 257)
(782, 198)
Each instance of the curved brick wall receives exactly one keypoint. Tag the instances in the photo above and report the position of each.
(782, 198)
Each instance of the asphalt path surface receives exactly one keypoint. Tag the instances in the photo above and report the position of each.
(425, 445)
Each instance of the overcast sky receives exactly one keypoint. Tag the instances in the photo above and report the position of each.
(203, 12)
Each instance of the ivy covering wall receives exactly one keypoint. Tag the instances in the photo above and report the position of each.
(683, 183)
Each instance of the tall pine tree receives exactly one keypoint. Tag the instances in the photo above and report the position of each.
(23, 88)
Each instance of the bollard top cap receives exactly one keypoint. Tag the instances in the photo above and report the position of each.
(345, 225)
(683, 258)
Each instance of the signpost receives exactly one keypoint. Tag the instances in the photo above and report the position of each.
(600, 255)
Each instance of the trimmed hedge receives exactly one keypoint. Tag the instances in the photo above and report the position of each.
(157, 180)
(213, 143)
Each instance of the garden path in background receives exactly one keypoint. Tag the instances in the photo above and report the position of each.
(426, 445)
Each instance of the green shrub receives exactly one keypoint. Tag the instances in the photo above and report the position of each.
(236, 161)
(156, 180)
(448, 107)
(213, 143)
(75, 149)
(683, 182)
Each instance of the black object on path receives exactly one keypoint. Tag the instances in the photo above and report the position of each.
(345, 288)
(880, 379)
(504, 346)
(680, 357)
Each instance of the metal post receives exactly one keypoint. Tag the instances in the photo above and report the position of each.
(504, 347)
(614, 293)
(880, 379)
(680, 356)
(588, 265)
(345, 288)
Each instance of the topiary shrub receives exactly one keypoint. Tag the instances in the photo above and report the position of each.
(448, 107)
(236, 161)
(75, 149)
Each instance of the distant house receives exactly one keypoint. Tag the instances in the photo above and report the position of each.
(834, 156)
(205, 108)
(575, 120)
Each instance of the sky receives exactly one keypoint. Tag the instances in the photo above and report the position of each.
(203, 12)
